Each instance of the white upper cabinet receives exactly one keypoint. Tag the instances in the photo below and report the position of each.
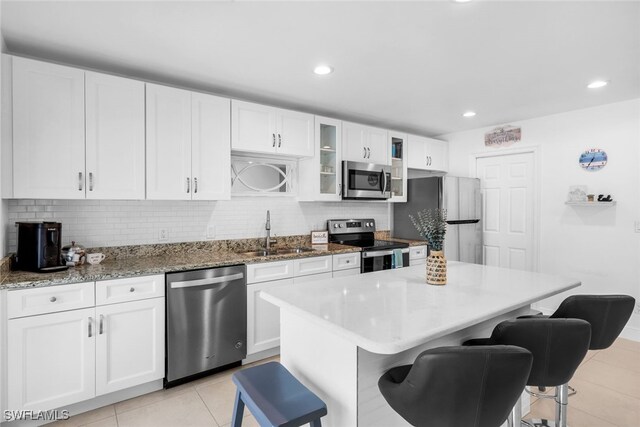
(428, 154)
(268, 130)
(364, 144)
(188, 154)
(115, 140)
(168, 143)
(48, 131)
(210, 147)
(320, 177)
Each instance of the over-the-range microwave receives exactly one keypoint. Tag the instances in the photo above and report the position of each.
(365, 181)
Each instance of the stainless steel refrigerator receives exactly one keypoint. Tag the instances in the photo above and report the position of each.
(461, 198)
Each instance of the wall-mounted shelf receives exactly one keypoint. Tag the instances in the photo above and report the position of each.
(590, 203)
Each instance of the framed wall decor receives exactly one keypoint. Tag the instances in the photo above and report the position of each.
(593, 159)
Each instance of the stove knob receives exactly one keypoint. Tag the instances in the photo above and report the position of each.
(335, 225)
(339, 225)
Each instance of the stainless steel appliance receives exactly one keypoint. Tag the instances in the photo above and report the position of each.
(39, 246)
(462, 200)
(365, 181)
(376, 254)
(206, 321)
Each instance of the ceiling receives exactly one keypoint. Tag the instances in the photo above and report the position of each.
(414, 66)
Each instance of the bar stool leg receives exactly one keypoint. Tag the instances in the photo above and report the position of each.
(238, 410)
(316, 423)
(515, 416)
(562, 399)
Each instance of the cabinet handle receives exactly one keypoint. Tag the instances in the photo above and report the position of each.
(279, 140)
(347, 261)
(429, 160)
(364, 152)
(79, 181)
(90, 181)
(368, 153)
(53, 299)
(274, 139)
(195, 185)
(101, 328)
(90, 331)
(188, 185)
(339, 189)
(132, 289)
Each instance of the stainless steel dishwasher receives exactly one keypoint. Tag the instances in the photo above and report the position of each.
(206, 320)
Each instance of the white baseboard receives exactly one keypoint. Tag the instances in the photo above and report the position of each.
(261, 355)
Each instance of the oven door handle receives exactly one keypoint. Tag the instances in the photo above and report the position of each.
(374, 254)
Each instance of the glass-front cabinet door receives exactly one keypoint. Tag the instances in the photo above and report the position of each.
(321, 175)
(399, 156)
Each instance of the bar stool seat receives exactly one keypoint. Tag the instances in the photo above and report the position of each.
(458, 386)
(558, 347)
(275, 398)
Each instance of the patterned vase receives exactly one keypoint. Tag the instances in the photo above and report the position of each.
(436, 268)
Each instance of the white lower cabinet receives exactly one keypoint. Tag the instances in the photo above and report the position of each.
(129, 344)
(60, 358)
(263, 318)
(51, 360)
(417, 255)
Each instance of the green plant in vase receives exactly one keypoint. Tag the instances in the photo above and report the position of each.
(432, 224)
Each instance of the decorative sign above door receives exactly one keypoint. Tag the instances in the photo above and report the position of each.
(503, 136)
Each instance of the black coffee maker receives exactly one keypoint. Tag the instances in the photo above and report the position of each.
(39, 246)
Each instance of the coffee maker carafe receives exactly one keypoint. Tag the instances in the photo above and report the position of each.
(39, 245)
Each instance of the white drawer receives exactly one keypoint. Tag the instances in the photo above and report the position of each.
(343, 273)
(417, 261)
(346, 261)
(417, 252)
(266, 271)
(313, 278)
(313, 265)
(130, 289)
(49, 299)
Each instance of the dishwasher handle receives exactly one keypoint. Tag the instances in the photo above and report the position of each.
(205, 282)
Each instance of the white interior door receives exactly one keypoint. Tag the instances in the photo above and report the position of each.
(507, 183)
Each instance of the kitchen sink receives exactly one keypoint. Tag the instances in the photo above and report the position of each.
(281, 251)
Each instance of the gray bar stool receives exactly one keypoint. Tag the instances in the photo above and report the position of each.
(558, 346)
(458, 386)
(607, 315)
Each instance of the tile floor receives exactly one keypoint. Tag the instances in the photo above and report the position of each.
(608, 384)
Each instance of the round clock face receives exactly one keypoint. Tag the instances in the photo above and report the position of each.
(593, 159)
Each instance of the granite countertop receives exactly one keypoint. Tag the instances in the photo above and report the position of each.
(172, 261)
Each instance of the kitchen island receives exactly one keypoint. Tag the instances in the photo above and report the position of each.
(340, 335)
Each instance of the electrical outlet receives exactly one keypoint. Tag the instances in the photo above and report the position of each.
(211, 232)
(163, 235)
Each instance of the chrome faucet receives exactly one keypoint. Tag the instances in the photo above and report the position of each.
(268, 239)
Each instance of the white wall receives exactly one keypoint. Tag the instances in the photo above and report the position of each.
(112, 223)
(597, 245)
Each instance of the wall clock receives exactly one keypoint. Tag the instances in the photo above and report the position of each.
(593, 159)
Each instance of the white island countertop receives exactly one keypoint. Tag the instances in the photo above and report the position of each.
(394, 310)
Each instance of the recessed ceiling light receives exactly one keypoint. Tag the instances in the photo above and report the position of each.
(469, 114)
(461, 1)
(598, 83)
(323, 70)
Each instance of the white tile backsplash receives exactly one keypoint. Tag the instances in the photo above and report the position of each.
(112, 223)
